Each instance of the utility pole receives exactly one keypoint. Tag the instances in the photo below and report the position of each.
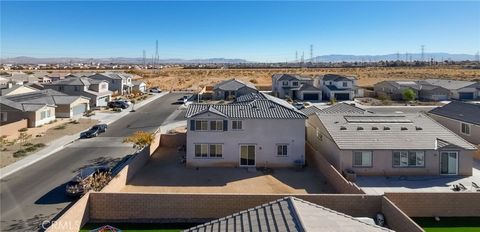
(423, 52)
(144, 59)
(156, 56)
(296, 56)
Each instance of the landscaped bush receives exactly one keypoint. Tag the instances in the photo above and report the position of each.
(30, 149)
(39, 145)
(19, 153)
(23, 129)
(27, 144)
(74, 122)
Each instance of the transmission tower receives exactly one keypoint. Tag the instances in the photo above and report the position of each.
(144, 59)
(296, 56)
(423, 52)
(398, 56)
(155, 59)
(303, 57)
(406, 56)
(477, 57)
(311, 53)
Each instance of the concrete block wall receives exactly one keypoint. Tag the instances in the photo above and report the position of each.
(442, 204)
(334, 178)
(396, 219)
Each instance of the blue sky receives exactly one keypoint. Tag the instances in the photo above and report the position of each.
(257, 31)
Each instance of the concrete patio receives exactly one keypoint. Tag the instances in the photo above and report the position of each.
(378, 185)
(164, 173)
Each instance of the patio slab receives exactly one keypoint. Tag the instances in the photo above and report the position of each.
(164, 173)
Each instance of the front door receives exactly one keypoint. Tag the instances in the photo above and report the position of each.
(448, 163)
(247, 155)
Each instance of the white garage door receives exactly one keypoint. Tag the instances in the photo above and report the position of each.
(79, 109)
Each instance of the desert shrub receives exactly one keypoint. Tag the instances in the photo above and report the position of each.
(140, 139)
(254, 81)
(96, 182)
(39, 145)
(19, 153)
(23, 137)
(27, 144)
(23, 129)
(30, 149)
(61, 127)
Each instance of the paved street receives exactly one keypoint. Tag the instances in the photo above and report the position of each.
(36, 193)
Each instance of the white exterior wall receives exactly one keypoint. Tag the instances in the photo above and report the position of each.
(264, 133)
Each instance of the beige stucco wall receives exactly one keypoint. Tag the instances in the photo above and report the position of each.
(37, 116)
(456, 127)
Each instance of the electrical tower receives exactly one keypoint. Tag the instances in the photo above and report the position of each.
(155, 61)
(423, 52)
(303, 57)
(398, 56)
(477, 57)
(144, 59)
(296, 56)
(311, 53)
(406, 56)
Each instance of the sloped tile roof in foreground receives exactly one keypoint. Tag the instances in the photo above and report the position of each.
(288, 214)
(339, 108)
(389, 131)
(253, 105)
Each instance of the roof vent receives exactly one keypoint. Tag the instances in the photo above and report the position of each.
(403, 128)
(254, 106)
(418, 128)
(386, 128)
(359, 128)
(336, 122)
(272, 106)
(374, 128)
(343, 128)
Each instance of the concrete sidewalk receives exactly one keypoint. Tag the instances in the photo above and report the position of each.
(60, 143)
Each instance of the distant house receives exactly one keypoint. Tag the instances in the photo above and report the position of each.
(296, 87)
(389, 144)
(339, 108)
(394, 89)
(139, 85)
(20, 78)
(37, 114)
(257, 130)
(231, 89)
(461, 118)
(459, 90)
(96, 90)
(120, 83)
(338, 87)
(10, 89)
(289, 214)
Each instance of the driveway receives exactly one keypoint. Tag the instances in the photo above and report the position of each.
(164, 173)
(36, 193)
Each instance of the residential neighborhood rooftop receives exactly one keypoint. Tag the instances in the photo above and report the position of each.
(289, 77)
(336, 77)
(387, 131)
(288, 214)
(339, 108)
(449, 84)
(233, 85)
(461, 111)
(253, 105)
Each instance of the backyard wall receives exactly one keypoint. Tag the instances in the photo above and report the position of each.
(396, 219)
(334, 178)
(74, 218)
(442, 204)
(152, 207)
(11, 129)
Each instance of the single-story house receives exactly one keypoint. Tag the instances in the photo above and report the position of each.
(394, 89)
(66, 106)
(37, 114)
(389, 144)
(459, 90)
(289, 214)
(256, 130)
(461, 118)
(139, 85)
(11, 89)
(231, 89)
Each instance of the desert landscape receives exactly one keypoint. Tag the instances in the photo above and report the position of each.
(195, 79)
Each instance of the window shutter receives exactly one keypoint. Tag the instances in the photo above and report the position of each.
(192, 125)
(225, 125)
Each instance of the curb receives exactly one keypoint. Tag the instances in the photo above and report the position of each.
(23, 163)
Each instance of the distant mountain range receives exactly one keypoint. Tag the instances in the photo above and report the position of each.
(325, 58)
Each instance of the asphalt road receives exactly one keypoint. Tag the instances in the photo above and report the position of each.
(36, 194)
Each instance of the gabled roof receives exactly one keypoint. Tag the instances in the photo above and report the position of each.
(449, 84)
(74, 80)
(253, 105)
(307, 87)
(336, 77)
(111, 75)
(233, 85)
(138, 82)
(404, 84)
(291, 77)
(288, 214)
(388, 131)
(45, 97)
(461, 111)
(6, 91)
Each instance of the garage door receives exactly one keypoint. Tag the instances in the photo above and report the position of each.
(310, 96)
(466, 96)
(342, 96)
(79, 109)
(102, 101)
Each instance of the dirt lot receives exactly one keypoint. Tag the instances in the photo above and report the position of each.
(164, 173)
(47, 132)
(178, 78)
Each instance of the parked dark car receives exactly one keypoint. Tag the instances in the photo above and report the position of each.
(118, 104)
(155, 90)
(74, 187)
(94, 131)
(183, 99)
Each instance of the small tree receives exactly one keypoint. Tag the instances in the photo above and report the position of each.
(408, 95)
(333, 101)
(23, 137)
(140, 139)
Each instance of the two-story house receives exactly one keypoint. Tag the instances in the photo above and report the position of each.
(257, 130)
(338, 87)
(96, 90)
(120, 83)
(296, 87)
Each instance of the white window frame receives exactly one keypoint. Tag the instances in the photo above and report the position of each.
(405, 158)
(202, 123)
(237, 122)
(467, 128)
(218, 151)
(218, 125)
(202, 146)
(366, 163)
(284, 150)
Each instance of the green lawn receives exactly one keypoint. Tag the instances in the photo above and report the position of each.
(450, 224)
(141, 227)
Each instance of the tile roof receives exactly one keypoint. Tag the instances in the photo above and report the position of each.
(45, 97)
(111, 75)
(288, 214)
(336, 77)
(461, 111)
(339, 108)
(388, 131)
(449, 84)
(307, 87)
(233, 85)
(290, 77)
(74, 80)
(6, 91)
(253, 105)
